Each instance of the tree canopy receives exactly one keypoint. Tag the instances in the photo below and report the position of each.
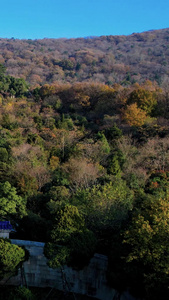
(147, 238)
(71, 242)
(10, 257)
(84, 168)
(11, 205)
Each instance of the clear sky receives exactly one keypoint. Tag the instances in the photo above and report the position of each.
(33, 19)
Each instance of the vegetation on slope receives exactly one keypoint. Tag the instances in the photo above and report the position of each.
(105, 59)
(85, 166)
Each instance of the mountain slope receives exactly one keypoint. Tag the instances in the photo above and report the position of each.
(106, 59)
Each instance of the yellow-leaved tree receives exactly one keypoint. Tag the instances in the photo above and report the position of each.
(133, 115)
(145, 99)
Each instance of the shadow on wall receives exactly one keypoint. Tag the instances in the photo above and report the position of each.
(90, 281)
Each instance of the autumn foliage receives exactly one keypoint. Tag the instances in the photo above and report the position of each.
(86, 165)
(134, 115)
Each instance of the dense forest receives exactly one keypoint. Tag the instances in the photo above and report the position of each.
(84, 166)
(104, 59)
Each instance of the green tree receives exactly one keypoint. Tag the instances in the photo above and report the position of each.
(67, 221)
(71, 242)
(21, 293)
(112, 133)
(11, 85)
(10, 257)
(148, 245)
(17, 86)
(3, 154)
(11, 205)
(114, 165)
(2, 70)
(104, 147)
(105, 206)
(59, 196)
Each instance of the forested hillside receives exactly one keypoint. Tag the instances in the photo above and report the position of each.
(105, 59)
(84, 166)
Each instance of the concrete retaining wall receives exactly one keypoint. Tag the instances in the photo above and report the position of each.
(4, 233)
(89, 281)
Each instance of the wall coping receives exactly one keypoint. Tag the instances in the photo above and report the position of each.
(27, 243)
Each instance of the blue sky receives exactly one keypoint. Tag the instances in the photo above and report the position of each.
(35, 19)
